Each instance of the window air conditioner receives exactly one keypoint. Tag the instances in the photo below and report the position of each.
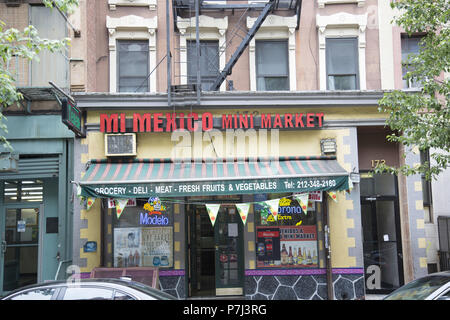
(120, 145)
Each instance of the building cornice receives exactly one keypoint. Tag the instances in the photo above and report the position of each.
(229, 100)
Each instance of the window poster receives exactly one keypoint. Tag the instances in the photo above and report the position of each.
(157, 246)
(287, 246)
(143, 247)
(268, 246)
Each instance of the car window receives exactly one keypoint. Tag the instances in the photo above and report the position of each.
(445, 296)
(118, 295)
(418, 289)
(88, 293)
(38, 294)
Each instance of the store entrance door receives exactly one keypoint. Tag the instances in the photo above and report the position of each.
(382, 245)
(228, 234)
(19, 234)
(383, 261)
(216, 260)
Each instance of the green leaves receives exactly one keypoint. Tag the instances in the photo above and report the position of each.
(422, 117)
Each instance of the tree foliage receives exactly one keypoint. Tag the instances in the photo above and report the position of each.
(24, 44)
(421, 118)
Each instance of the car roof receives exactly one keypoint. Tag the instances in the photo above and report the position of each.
(113, 281)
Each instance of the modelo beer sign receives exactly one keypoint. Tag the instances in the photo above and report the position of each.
(169, 122)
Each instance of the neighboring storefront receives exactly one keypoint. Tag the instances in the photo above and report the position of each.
(35, 201)
(260, 201)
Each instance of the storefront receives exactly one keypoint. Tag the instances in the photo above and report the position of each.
(280, 221)
(35, 201)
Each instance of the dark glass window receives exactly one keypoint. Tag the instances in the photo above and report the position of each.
(133, 66)
(290, 239)
(209, 63)
(272, 68)
(39, 294)
(342, 64)
(410, 45)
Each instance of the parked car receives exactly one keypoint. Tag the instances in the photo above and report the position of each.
(435, 286)
(89, 289)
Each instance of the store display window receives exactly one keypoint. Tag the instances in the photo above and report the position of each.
(290, 239)
(143, 234)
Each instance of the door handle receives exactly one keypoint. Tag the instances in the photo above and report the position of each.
(3, 249)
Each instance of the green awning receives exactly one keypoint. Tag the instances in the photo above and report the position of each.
(141, 178)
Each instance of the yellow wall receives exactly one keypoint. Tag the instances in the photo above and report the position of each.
(291, 143)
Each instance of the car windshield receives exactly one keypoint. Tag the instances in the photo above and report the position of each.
(419, 289)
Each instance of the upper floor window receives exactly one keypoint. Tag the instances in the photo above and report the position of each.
(132, 53)
(51, 66)
(272, 54)
(132, 65)
(410, 45)
(342, 51)
(272, 67)
(208, 62)
(212, 36)
(342, 64)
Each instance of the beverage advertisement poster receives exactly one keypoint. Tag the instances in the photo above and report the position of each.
(143, 247)
(127, 248)
(299, 246)
(268, 246)
(157, 247)
(287, 247)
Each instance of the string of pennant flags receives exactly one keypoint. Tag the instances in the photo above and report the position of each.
(213, 208)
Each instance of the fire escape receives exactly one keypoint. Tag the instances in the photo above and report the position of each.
(194, 8)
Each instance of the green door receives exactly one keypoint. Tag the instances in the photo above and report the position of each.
(19, 234)
(229, 248)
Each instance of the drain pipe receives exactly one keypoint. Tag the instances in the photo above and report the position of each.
(330, 291)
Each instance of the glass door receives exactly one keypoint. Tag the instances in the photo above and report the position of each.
(228, 233)
(19, 231)
(381, 245)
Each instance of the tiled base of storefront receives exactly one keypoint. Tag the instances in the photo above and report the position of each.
(348, 284)
(173, 282)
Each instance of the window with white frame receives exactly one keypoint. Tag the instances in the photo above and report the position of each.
(342, 26)
(342, 63)
(132, 39)
(279, 32)
(212, 41)
(208, 62)
(132, 66)
(410, 45)
(272, 67)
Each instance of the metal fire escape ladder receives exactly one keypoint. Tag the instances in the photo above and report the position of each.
(251, 33)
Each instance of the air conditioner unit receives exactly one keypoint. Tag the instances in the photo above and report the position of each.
(120, 145)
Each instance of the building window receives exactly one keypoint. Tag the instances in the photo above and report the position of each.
(342, 64)
(132, 66)
(209, 62)
(143, 235)
(133, 30)
(290, 241)
(275, 38)
(212, 33)
(426, 184)
(410, 45)
(51, 66)
(272, 74)
(351, 30)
